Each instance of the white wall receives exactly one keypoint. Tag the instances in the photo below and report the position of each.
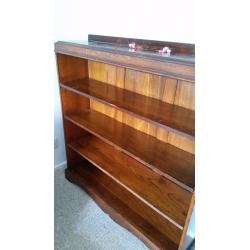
(158, 20)
(59, 153)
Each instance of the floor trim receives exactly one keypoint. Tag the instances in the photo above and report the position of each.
(60, 165)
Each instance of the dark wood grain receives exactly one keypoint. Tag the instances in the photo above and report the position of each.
(123, 208)
(184, 48)
(167, 67)
(174, 118)
(71, 68)
(162, 195)
(169, 161)
(72, 133)
(72, 102)
(119, 130)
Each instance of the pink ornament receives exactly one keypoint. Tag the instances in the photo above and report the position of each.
(165, 50)
(132, 45)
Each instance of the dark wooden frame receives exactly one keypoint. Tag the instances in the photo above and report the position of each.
(145, 184)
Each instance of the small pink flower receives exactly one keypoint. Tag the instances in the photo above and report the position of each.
(132, 45)
(165, 50)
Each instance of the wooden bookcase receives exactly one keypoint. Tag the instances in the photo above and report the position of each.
(129, 132)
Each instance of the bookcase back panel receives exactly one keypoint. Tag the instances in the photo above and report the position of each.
(144, 126)
(154, 86)
(165, 89)
(107, 73)
(184, 95)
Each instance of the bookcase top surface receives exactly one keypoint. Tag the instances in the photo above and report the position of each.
(181, 53)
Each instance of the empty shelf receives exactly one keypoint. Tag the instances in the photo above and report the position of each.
(169, 161)
(175, 118)
(162, 195)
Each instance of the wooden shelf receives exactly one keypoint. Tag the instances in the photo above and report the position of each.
(125, 208)
(169, 161)
(175, 118)
(179, 65)
(144, 183)
(162, 195)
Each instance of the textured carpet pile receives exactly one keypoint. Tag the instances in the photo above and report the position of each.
(81, 225)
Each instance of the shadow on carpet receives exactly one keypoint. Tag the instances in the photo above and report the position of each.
(81, 225)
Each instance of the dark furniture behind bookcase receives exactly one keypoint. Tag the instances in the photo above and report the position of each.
(129, 132)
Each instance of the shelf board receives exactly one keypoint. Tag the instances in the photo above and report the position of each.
(169, 161)
(172, 117)
(162, 195)
(107, 193)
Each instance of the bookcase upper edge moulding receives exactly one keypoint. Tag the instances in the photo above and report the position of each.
(129, 126)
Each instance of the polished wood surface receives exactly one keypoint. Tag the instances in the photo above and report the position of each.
(166, 67)
(108, 193)
(71, 68)
(129, 132)
(185, 229)
(162, 195)
(158, 87)
(184, 48)
(184, 96)
(171, 162)
(146, 127)
(72, 102)
(172, 117)
(155, 86)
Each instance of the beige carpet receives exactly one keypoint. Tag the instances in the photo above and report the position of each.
(80, 224)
